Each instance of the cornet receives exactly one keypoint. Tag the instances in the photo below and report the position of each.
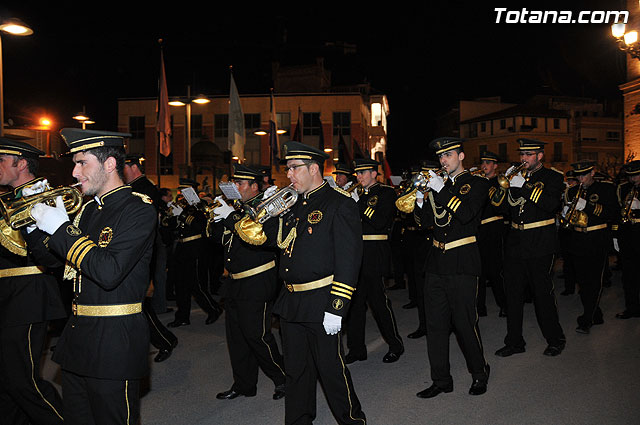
(419, 182)
(626, 213)
(504, 180)
(278, 203)
(17, 212)
(357, 187)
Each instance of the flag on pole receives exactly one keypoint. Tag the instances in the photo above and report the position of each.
(236, 137)
(387, 171)
(274, 139)
(297, 135)
(164, 117)
(357, 152)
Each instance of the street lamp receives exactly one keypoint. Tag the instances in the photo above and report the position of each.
(83, 118)
(200, 100)
(627, 41)
(45, 124)
(13, 27)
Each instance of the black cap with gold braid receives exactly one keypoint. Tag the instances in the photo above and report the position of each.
(242, 172)
(632, 168)
(362, 164)
(583, 167)
(17, 148)
(297, 150)
(489, 156)
(530, 145)
(445, 144)
(81, 140)
(342, 168)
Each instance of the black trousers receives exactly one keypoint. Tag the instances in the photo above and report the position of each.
(161, 337)
(534, 274)
(310, 354)
(590, 274)
(93, 401)
(251, 344)
(188, 259)
(492, 271)
(629, 255)
(450, 302)
(371, 291)
(24, 396)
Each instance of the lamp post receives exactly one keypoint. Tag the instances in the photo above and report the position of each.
(13, 27)
(83, 118)
(45, 124)
(627, 40)
(200, 100)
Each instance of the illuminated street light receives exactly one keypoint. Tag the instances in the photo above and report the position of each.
(627, 41)
(83, 118)
(200, 100)
(13, 27)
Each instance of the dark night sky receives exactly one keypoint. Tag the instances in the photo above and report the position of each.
(424, 56)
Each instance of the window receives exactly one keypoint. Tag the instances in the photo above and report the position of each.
(341, 123)
(613, 136)
(311, 125)
(136, 128)
(556, 123)
(503, 124)
(483, 127)
(534, 122)
(557, 152)
(251, 121)
(502, 152)
(473, 130)
(196, 127)
(284, 121)
(220, 125)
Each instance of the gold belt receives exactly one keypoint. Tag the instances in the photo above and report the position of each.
(190, 238)
(455, 244)
(106, 310)
(591, 228)
(490, 219)
(254, 271)
(533, 225)
(375, 237)
(21, 271)
(320, 283)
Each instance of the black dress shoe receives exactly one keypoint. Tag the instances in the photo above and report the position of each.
(409, 305)
(231, 394)
(567, 292)
(278, 392)
(162, 355)
(554, 350)
(509, 350)
(177, 323)
(392, 357)
(417, 334)
(627, 315)
(583, 329)
(211, 318)
(503, 313)
(350, 358)
(478, 387)
(433, 391)
(598, 321)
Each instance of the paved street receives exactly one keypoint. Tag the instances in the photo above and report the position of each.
(594, 381)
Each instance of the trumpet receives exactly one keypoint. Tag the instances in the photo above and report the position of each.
(626, 211)
(357, 187)
(275, 205)
(419, 182)
(476, 171)
(573, 216)
(17, 212)
(504, 180)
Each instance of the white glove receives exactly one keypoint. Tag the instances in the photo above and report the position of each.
(39, 187)
(565, 210)
(581, 204)
(435, 181)
(348, 185)
(223, 211)
(419, 199)
(635, 204)
(175, 209)
(517, 180)
(332, 323)
(615, 245)
(355, 196)
(49, 219)
(509, 170)
(270, 191)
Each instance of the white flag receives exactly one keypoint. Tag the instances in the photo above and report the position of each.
(236, 136)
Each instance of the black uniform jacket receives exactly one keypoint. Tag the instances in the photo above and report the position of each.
(29, 298)
(538, 200)
(494, 213)
(456, 216)
(321, 236)
(240, 256)
(377, 211)
(601, 209)
(111, 246)
(629, 231)
(143, 185)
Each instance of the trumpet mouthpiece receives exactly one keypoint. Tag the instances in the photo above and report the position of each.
(76, 184)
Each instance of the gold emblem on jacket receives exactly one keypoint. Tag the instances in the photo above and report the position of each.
(105, 237)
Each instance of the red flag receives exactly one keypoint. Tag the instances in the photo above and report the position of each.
(164, 117)
(387, 171)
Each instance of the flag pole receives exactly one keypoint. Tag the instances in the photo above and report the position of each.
(157, 133)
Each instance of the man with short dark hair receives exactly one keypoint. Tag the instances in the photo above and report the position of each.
(104, 348)
(29, 299)
(534, 198)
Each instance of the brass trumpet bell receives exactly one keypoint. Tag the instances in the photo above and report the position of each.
(17, 212)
